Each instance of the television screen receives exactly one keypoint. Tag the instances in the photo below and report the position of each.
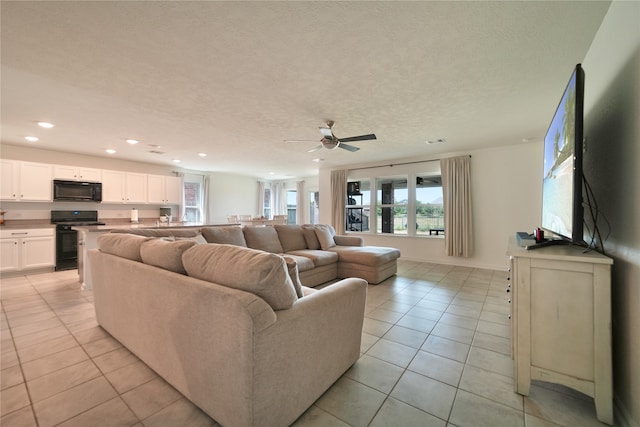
(562, 212)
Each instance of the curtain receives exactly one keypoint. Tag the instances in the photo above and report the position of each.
(456, 190)
(338, 197)
(260, 198)
(278, 199)
(206, 197)
(301, 208)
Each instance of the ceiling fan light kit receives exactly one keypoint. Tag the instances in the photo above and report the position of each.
(330, 142)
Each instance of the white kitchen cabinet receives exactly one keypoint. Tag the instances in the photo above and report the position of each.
(27, 249)
(561, 321)
(164, 189)
(77, 173)
(123, 187)
(26, 181)
(9, 184)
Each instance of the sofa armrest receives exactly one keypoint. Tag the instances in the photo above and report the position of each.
(310, 346)
(348, 240)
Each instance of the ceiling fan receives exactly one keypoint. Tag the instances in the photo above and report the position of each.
(331, 142)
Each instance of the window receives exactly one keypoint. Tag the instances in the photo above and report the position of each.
(405, 204)
(358, 205)
(266, 209)
(429, 205)
(292, 203)
(314, 207)
(193, 202)
(393, 199)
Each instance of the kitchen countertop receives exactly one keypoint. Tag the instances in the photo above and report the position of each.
(6, 226)
(149, 225)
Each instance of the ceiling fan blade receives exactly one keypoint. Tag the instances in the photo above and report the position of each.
(300, 140)
(319, 147)
(326, 132)
(358, 138)
(348, 147)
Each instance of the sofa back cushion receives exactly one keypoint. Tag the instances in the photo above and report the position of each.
(260, 273)
(165, 254)
(122, 245)
(310, 237)
(263, 238)
(224, 235)
(291, 237)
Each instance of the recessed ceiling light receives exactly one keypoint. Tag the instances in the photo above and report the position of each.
(31, 138)
(132, 141)
(176, 160)
(435, 141)
(202, 154)
(110, 151)
(317, 160)
(46, 125)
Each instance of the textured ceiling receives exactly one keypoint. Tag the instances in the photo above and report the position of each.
(236, 79)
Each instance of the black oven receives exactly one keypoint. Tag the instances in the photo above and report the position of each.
(66, 238)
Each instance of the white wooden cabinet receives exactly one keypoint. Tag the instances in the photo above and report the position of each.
(26, 181)
(25, 249)
(164, 189)
(9, 184)
(123, 187)
(561, 320)
(77, 173)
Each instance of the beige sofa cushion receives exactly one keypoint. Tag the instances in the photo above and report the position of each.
(304, 263)
(318, 257)
(224, 235)
(310, 237)
(165, 254)
(291, 237)
(367, 255)
(122, 245)
(263, 238)
(292, 267)
(325, 237)
(260, 273)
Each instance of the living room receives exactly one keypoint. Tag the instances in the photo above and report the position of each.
(506, 187)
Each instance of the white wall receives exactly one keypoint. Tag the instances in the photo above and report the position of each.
(507, 193)
(612, 129)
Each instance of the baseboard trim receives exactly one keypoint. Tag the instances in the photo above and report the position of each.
(622, 417)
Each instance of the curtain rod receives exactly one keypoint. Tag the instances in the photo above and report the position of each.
(399, 164)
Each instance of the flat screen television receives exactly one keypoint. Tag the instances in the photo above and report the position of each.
(562, 210)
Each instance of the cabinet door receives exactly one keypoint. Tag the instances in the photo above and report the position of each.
(156, 189)
(65, 172)
(173, 190)
(136, 188)
(88, 174)
(9, 182)
(35, 181)
(113, 186)
(9, 255)
(38, 252)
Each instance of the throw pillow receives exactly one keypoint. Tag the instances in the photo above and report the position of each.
(324, 237)
(165, 254)
(224, 235)
(292, 266)
(263, 238)
(122, 245)
(310, 237)
(261, 273)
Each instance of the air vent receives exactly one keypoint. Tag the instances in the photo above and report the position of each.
(156, 152)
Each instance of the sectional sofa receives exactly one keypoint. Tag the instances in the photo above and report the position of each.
(319, 253)
(225, 324)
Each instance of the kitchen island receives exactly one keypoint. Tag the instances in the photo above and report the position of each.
(88, 239)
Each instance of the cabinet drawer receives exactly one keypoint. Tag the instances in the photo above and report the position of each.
(28, 232)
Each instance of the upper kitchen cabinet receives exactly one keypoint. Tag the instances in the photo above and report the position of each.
(75, 173)
(26, 181)
(166, 190)
(123, 187)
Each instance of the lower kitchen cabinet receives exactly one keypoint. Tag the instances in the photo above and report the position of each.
(27, 249)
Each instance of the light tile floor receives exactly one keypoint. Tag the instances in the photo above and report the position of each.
(435, 352)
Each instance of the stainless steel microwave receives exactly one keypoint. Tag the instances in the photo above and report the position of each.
(77, 190)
